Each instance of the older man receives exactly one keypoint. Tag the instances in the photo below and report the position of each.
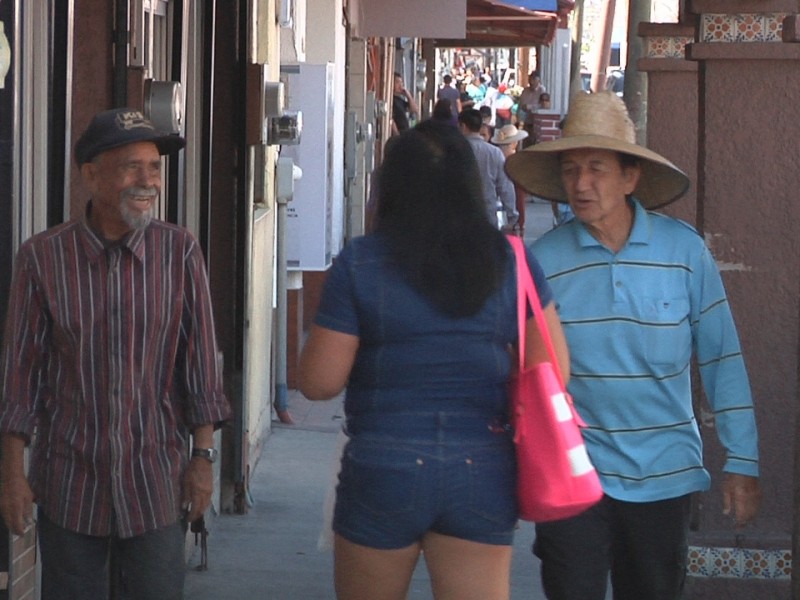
(109, 365)
(638, 293)
(498, 191)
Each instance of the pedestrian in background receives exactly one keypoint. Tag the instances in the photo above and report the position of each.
(404, 107)
(528, 104)
(508, 139)
(109, 366)
(498, 191)
(416, 320)
(639, 294)
(451, 94)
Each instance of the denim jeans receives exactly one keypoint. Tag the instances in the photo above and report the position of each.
(76, 566)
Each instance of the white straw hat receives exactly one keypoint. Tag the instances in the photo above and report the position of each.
(508, 134)
(598, 121)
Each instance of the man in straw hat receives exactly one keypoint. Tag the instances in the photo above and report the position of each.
(110, 360)
(507, 138)
(637, 293)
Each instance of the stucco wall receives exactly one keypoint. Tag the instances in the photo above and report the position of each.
(751, 175)
(674, 92)
(725, 114)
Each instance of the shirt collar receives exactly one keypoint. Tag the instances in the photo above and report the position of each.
(640, 232)
(95, 246)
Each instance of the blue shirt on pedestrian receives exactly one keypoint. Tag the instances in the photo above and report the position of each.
(633, 320)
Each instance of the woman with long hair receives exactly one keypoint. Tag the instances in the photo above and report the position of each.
(418, 320)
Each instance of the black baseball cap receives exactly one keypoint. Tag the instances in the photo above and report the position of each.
(121, 126)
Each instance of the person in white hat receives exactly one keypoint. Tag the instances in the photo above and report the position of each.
(508, 138)
(639, 294)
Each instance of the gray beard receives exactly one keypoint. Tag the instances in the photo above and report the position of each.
(135, 220)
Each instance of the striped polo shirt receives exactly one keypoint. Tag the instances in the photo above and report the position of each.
(632, 321)
(109, 362)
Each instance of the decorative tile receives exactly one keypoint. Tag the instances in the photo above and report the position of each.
(718, 28)
(744, 563)
(782, 564)
(773, 26)
(725, 562)
(746, 27)
(667, 47)
(750, 28)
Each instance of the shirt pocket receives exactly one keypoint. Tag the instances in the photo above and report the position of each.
(667, 333)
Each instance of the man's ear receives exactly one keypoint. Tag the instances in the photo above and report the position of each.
(87, 172)
(631, 174)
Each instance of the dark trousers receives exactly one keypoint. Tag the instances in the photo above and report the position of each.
(76, 566)
(643, 545)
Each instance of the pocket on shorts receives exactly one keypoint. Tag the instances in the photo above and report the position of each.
(492, 484)
(382, 479)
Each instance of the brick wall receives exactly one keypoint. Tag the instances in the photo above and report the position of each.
(545, 127)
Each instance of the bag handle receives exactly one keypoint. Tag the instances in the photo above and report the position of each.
(527, 294)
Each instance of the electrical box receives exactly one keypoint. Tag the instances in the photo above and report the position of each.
(163, 105)
(309, 217)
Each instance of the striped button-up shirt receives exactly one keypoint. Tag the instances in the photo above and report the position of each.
(109, 362)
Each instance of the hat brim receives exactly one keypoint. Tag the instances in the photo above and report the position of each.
(521, 135)
(537, 169)
(166, 144)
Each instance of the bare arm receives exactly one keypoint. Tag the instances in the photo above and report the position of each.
(537, 352)
(325, 362)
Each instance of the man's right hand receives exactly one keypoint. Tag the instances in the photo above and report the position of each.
(16, 503)
(16, 496)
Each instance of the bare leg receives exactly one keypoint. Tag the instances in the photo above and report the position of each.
(363, 573)
(464, 570)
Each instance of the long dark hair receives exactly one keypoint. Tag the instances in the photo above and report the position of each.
(432, 212)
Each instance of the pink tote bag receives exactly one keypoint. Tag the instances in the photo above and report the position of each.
(555, 477)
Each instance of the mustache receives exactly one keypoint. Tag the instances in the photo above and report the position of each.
(136, 191)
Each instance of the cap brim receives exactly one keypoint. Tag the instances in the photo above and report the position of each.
(537, 169)
(166, 144)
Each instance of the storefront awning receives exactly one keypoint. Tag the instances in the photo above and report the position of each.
(461, 23)
(409, 18)
(509, 23)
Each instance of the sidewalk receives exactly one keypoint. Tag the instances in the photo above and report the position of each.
(271, 552)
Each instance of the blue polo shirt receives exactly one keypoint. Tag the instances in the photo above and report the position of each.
(632, 321)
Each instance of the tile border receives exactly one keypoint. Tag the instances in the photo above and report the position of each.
(662, 46)
(745, 27)
(739, 563)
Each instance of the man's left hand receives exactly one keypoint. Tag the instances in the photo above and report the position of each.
(741, 496)
(198, 484)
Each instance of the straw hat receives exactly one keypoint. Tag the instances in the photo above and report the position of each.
(508, 134)
(598, 121)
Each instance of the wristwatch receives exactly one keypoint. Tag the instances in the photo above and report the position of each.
(210, 454)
